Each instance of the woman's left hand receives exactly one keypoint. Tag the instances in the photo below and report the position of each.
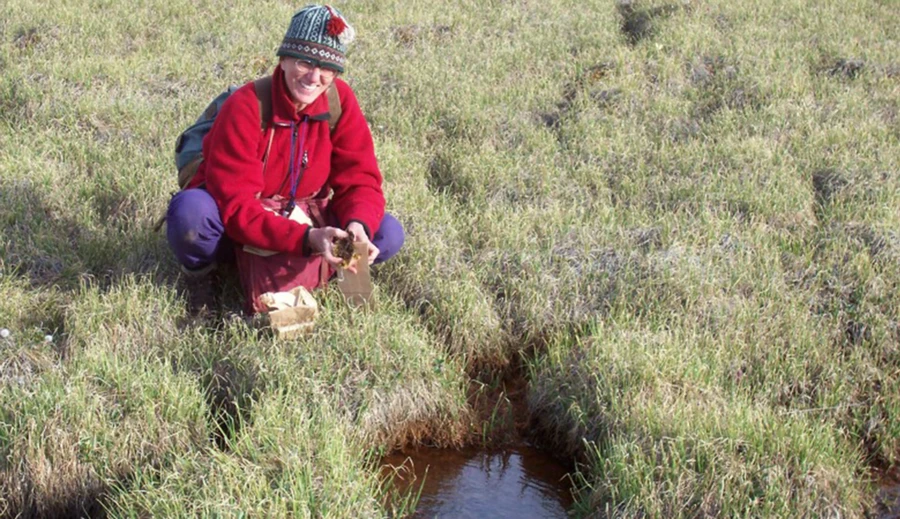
(359, 235)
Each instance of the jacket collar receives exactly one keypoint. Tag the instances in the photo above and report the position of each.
(283, 108)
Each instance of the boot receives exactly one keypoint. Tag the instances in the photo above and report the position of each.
(201, 286)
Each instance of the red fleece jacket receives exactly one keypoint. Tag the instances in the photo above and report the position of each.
(232, 167)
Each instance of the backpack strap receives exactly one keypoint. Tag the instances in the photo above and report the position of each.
(186, 174)
(334, 107)
(263, 87)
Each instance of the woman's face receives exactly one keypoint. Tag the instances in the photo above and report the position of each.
(305, 81)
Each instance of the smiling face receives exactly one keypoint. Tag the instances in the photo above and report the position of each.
(305, 81)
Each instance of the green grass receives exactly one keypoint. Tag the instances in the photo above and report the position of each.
(687, 231)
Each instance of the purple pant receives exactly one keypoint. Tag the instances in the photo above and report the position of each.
(197, 236)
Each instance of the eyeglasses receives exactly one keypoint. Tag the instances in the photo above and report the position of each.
(304, 67)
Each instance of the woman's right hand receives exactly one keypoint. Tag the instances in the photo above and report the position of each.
(321, 241)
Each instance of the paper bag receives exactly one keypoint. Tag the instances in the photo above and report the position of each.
(357, 288)
(290, 313)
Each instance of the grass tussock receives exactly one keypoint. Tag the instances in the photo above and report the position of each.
(78, 426)
(707, 451)
(682, 216)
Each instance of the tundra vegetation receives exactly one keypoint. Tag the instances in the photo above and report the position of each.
(679, 221)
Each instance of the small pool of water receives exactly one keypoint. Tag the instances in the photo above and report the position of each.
(520, 482)
(887, 502)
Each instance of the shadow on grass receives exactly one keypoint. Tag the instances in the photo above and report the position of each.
(85, 501)
(51, 247)
(57, 250)
(639, 23)
(230, 392)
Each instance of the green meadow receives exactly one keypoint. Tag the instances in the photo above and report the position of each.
(679, 221)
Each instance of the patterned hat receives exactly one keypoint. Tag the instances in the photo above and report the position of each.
(320, 34)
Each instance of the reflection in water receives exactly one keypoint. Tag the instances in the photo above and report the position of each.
(520, 482)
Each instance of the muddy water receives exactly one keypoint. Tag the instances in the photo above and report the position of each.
(518, 482)
(887, 500)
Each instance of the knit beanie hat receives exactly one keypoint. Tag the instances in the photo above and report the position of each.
(320, 34)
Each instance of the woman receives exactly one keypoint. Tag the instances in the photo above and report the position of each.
(301, 158)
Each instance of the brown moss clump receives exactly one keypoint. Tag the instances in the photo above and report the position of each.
(343, 249)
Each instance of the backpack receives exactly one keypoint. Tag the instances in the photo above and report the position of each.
(189, 145)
